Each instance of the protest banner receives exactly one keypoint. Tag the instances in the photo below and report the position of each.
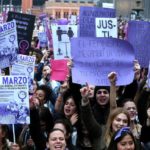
(87, 19)
(59, 70)
(24, 66)
(42, 39)
(95, 58)
(139, 36)
(25, 26)
(62, 35)
(14, 100)
(106, 27)
(8, 44)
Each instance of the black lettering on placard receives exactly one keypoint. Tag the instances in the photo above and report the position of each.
(110, 24)
(106, 33)
(105, 24)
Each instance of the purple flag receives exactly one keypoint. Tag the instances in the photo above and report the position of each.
(138, 35)
(95, 58)
(42, 16)
(49, 34)
(87, 19)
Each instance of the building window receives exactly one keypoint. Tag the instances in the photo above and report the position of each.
(57, 14)
(90, 1)
(66, 1)
(74, 1)
(82, 1)
(58, 0)
(66, 14)
(74, 13)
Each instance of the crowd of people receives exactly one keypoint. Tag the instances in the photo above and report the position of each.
(69, 116)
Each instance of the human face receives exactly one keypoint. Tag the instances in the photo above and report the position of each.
(1, 133)
(57, 141)
(131, 108)
(69, 107)
(91, 91)
(46, 71)
(102, 97)
(126, 143)
(119, 121)
(60, 126)
(34, 86)
(40, 95)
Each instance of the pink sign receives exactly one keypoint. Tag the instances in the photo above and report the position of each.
(59, 70)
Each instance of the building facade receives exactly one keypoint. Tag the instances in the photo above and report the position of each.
(65, 8)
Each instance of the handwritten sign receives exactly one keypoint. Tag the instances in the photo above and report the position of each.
(87, 19)
(106, 27)
(14, 100)
(8, 44)
(95, 58)
(25, 26)
(139, 36)
(62, 35)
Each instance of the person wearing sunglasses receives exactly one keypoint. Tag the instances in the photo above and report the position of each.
(123, 139)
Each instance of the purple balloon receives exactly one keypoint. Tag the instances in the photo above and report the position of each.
(63, 21)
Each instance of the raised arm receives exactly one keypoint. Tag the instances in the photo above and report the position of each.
(59, 102)
(112, 79)
(89, 120)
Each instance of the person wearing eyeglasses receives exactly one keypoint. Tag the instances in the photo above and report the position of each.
(123, 139)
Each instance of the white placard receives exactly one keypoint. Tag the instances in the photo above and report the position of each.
(106, 27)
(62, 35)
(14, 100)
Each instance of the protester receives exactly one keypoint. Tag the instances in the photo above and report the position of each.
(65, 116)
(123, 139)
(66, 126)
(56, 140)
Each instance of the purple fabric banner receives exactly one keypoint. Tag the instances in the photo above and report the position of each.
(95, 58)
(48, 33)
(87, 19)
(138, 35)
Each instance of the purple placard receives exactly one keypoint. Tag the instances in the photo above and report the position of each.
(87, 19)
(138, 35)
(95, 58)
